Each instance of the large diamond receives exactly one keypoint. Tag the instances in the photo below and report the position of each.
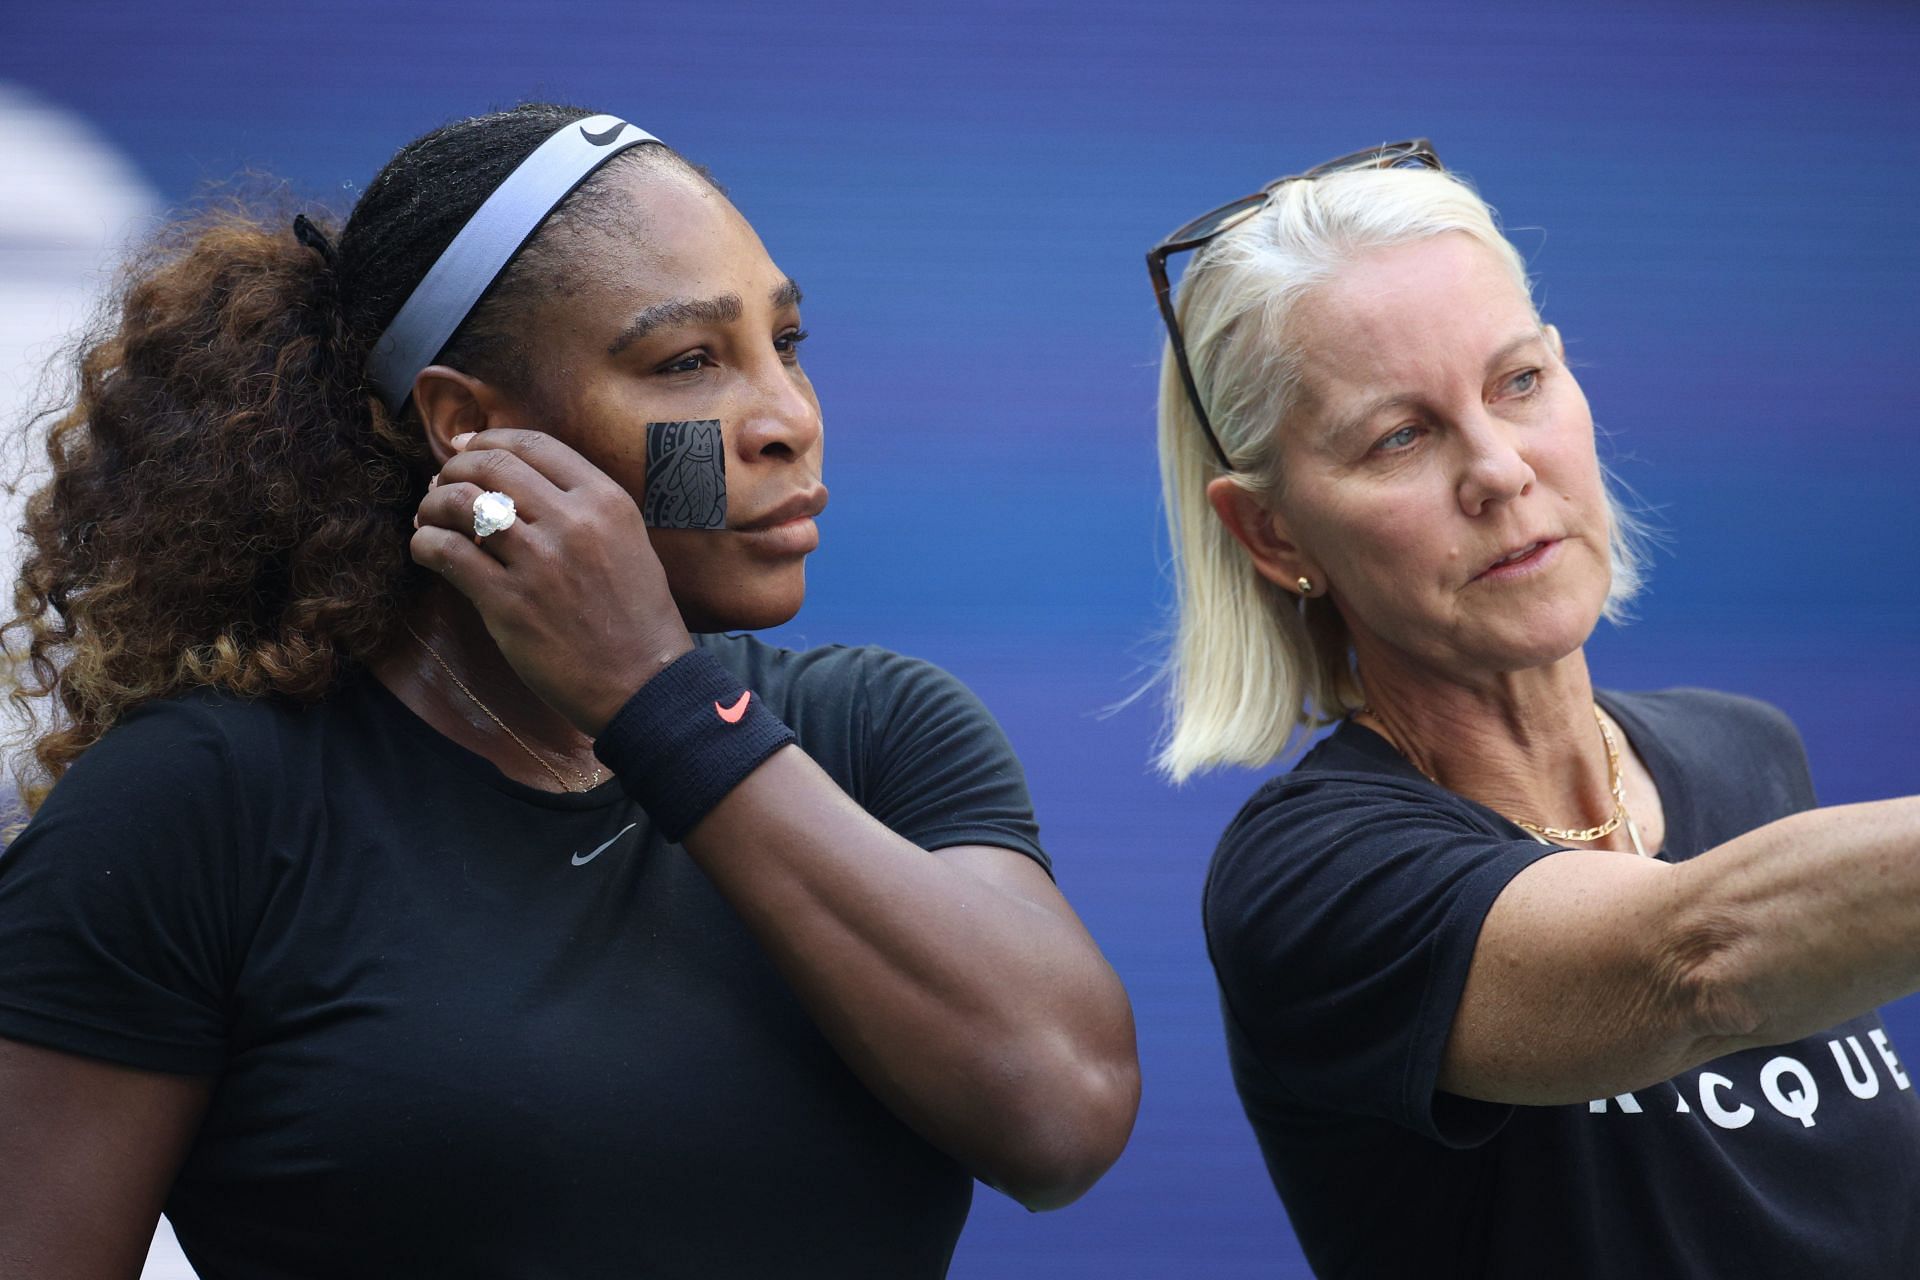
(492, 512)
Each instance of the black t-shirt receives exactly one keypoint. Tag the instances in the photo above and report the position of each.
(465, 1027)
(1342, 910)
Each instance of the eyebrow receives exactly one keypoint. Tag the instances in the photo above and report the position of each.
(724, 308)
(1348, 423)
(1517, 345)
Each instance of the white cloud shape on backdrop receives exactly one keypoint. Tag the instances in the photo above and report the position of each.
(71, 205)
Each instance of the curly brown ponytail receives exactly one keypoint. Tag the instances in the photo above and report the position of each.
(229, 504)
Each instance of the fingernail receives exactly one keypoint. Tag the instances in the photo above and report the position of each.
(416, 522)
(460, 441)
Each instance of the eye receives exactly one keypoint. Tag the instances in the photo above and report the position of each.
(1524, 383)
(691, 362)
(788, 343)
(1397, 441)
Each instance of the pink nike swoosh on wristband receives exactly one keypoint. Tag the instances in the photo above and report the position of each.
(733, 713)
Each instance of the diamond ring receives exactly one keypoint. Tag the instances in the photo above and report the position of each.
(492, 513)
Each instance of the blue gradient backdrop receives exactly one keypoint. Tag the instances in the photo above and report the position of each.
(1718, 200)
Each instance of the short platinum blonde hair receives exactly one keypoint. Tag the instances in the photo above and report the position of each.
(1253, 668)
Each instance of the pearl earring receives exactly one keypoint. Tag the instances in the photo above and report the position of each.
(1305, 584)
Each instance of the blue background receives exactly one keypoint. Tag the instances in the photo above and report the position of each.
(1717, 198)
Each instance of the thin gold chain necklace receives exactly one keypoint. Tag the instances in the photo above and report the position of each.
(586, 783)
(1616, 783)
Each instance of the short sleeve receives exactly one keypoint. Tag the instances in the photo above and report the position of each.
(1732, 763)
(1775, 758)
(940, 769)
(1342, 913)
(114, 920)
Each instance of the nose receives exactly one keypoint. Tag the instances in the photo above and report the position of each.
(779, 416)
(1496, 467)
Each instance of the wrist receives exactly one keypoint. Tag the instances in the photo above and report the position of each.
(654, 657)
(688, 736)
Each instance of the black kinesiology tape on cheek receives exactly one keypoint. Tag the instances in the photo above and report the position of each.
(686, 476)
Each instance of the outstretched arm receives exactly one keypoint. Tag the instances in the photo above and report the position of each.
(1598, 973)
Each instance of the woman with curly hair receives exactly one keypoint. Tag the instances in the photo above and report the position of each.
(419, 882)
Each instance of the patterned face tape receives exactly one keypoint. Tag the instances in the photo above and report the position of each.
(686, 476)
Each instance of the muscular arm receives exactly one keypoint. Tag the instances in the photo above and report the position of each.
(959, 986)
(87, 1152)
(1597, 973)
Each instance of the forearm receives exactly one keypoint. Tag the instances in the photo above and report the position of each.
(981, 1014)
(1807, 921)
(1595, 974)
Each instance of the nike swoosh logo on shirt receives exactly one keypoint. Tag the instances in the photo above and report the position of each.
(733, 713)
(582, 859)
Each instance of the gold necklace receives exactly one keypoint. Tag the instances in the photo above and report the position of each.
(1579, 835)
(586, 783)
(1615, 783)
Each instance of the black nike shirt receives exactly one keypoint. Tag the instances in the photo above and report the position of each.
(463, 1027)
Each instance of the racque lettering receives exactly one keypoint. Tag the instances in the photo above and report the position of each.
(1799, 1101)
(1711, 1083)
(1789, 1085)
(1879, 1039)
(1867, 1083)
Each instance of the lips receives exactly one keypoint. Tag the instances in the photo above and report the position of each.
(801, 506)
(1518, 554)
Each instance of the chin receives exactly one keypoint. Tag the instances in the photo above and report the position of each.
(1545, 637)
(748, 610)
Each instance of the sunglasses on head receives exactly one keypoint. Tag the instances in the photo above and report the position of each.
(1415, 153)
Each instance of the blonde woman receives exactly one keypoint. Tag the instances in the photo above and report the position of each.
(1520, 977)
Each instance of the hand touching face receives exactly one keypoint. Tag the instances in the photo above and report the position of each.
(671, 310)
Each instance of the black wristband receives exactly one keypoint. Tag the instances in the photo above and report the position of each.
(686, 739)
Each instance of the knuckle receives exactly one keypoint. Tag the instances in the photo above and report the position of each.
(550, 557)
(497, 440)
(605, 495)
(428, 548)
(569, 520)
(447, 503)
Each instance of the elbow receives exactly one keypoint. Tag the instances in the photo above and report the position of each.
(1061, 1143)
(1713, 986)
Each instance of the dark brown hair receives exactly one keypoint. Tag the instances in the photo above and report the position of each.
(229, 504)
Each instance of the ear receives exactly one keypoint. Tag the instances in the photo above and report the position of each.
(452, 403)
(1266, 537)
(1556, 342)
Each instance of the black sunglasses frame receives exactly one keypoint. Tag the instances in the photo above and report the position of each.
(1191, 235)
